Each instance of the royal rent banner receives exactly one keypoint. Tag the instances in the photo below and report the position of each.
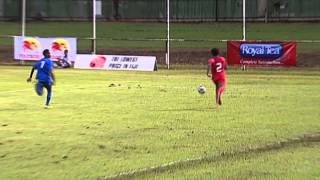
(30, 48)
(115, 62)
(262, 53)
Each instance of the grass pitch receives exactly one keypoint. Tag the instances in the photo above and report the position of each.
(300, 162)
(105, 122)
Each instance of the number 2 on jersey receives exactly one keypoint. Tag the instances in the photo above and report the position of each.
(218, 67)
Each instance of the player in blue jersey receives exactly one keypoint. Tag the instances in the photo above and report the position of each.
(44, 76)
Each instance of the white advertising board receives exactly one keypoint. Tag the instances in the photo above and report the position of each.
(30, 48)
(115, 62)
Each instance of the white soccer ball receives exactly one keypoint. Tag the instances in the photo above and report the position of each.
(202, 89)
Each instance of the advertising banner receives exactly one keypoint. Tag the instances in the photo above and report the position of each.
(115, 62)
(30, 48)
(262, 53)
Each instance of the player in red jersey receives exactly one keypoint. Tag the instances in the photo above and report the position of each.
(216, 69)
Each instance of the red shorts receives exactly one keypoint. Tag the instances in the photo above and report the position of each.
(220, 82)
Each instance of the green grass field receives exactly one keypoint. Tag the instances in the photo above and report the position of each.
(149, 119)
(187, 31)
(301, 162)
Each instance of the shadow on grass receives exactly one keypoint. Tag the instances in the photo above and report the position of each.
(295, 142)
(13, 109)
(188, 109)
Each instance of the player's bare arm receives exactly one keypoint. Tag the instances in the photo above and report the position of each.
(209, 70)
(53, 77)
(31, 74)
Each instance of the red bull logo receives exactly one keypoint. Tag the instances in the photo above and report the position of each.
(31, 44)
(98, 62)
(60, 45)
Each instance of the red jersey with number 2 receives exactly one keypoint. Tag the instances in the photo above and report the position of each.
(218, 66)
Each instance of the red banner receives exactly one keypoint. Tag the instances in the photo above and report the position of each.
(262, 53)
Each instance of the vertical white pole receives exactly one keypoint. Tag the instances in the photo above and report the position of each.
(244, 19)
(94, 28)
(244, 28)
(23, 31)
(168, 35)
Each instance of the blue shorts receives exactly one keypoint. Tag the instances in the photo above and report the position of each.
(41, 84)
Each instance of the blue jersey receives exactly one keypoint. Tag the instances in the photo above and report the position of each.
(44, 69)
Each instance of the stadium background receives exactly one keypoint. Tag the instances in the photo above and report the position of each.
(181, 10)
(154, 11)
(105, 123)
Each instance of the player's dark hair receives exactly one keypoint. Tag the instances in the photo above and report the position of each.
(46, 52)
(215, 51)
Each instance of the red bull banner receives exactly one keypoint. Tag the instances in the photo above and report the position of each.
(30, 48)
(115, 62)
(262, 53)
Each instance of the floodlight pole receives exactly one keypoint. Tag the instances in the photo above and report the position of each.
(94, 36)
(244, 19)
(23, 29)
(168, 35)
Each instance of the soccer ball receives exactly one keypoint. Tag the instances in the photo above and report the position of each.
(202, 89)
